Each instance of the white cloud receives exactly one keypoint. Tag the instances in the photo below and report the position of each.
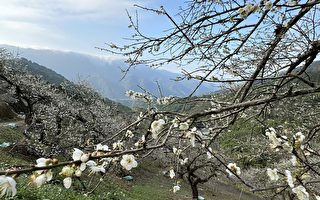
(78, 25)
(56, 9)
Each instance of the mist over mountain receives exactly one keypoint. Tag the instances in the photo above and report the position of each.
(105, 75)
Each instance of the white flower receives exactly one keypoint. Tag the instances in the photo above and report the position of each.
(91, 163)
(176, 188)
(317, 197)
(118, 145)
(171, 173)
(183, 161)
(97, 168)
(234, 168)
(49, 175)
(141, 141)
(7, 186)
(67, 171)
(42, 162)
(76, 155)
(184, 126)
(301, 192)
(82, 166)
(79, 155)
(293, 160)
(275, 141)
(67, 182)
(129, 134)
(156, 127)
(40, 180)
(209, 154)
(273, 174)
(128, 162)
(299, 137)
(175, 122)
(289, 178)
(84, 158)
(94, 168)
(176, 151)
(101, 147)
(78, 173)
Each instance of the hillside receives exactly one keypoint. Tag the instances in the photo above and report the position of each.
(106, 76)
(46, 74)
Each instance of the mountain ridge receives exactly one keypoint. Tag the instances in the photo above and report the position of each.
(105, 75)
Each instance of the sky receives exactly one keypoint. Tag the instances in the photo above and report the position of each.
(76, 25)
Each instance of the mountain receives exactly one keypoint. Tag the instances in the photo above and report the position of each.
(106, 76)
(45, 73)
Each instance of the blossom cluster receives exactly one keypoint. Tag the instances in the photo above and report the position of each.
(80, 162)
(296, 183)
(139, 95)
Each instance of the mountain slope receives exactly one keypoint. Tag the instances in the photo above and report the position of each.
(105, 75)
(46, 74)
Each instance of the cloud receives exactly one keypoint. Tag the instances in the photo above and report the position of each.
(56, 9)
(78, 25)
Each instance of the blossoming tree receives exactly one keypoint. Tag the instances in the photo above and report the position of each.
(259, 52)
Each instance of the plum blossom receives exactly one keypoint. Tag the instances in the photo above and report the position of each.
(232, 167)
(171, 173)
(275, 142)
(79, 155)
(176, 151)
(40, 177)
(209, 153)
(293, 160)
(273, 174)
(40, 180)
(289, 178)
(192, 136)
(299, 137)
(175, 122)
(183, 126)
(156, 127)
(101, 147)
(183, 161)
(94, 168)
(67, 171)
(129, 134)
(117, 145)
(141, 141)
(176, 188)
(67, 182)
(128, 162)
(7, 186)
(301, 192)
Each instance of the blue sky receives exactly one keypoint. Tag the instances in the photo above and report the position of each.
(75, 25)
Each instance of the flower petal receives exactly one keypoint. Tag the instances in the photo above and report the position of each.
(67, 182)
